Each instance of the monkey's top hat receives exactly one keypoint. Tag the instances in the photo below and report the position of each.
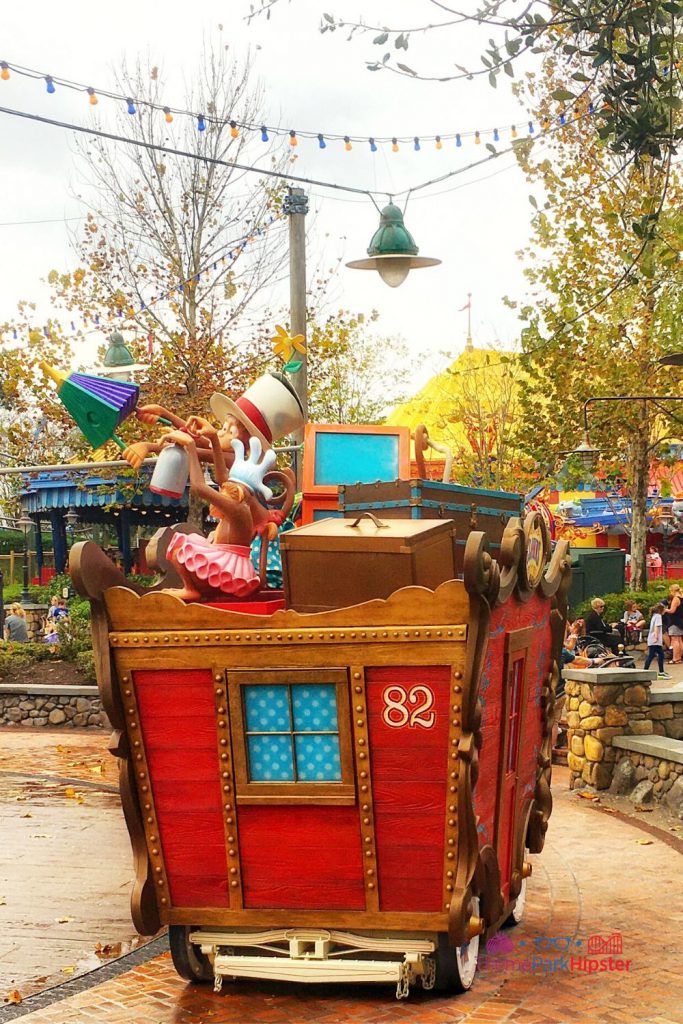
(269, 408)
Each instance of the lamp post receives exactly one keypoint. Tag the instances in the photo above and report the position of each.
(392, 251)
(25, 524)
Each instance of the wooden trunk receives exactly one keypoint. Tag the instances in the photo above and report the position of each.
(335, 563)
(470, 508)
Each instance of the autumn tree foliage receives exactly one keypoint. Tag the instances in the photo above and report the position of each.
(605, 274)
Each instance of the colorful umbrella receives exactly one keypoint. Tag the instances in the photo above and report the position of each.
(98, 404)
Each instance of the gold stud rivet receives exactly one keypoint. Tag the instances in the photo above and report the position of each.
(359, 708)
(457, 675)
(450, 855)
(356, 675)
(233, 871)
(371, 885)
(234, 884)
(362, 755)
(164, 900)
(358, 689)
(160, 881)
(155, 852)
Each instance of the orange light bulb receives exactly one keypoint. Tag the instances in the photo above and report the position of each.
(514, 132)
(347, 144)
(234, 132)
(439, 144)
(477, 139)
(168, 115)
(4, 73)
(394, 146)
(93, 97)
(293, 141)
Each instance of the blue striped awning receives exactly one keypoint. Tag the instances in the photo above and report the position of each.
(61, 489)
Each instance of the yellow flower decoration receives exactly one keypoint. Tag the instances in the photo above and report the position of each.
(285, 346)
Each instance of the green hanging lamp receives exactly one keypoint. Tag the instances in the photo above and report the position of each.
(119, 362)
(392, 251)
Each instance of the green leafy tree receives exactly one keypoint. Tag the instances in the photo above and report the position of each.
(354, 376)
(604, 305)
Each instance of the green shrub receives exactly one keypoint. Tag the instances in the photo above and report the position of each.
(658, 590)
(85, 661)
(13, 655)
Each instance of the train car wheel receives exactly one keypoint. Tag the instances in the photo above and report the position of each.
(188, 959)
(456, 968)
(517, 912)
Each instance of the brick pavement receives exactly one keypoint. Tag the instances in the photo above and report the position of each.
(597, 875)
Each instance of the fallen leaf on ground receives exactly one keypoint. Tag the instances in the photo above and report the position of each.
(41, 835)
(68, 970)
(97, 769)
(27, 815)
(70, 793)
(642, 807)
(3, 901)
(64, 920)
(644, 842)
(109, 949)
(589, 796)
(14, 996)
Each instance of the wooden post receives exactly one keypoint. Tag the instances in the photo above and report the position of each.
(296, 208)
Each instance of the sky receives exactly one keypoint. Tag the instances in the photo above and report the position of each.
(475, 222)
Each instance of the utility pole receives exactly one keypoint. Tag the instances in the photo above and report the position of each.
(296, 208)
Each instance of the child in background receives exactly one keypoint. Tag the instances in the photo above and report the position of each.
(655, 641)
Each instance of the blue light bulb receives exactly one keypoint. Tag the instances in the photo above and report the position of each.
(321, 142)
(373, 146)
(496, 136)
(264, 134)
(562, 119)
(416, 144)
(131, 106)
(50, 84)
(201, 123)
(531, 127)
(458, 140)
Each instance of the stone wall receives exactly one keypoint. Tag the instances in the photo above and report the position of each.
(54, 706)
(602, 704)
(35, 619)
(666, 710)
(660, 773)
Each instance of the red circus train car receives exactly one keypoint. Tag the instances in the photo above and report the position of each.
(337, 796)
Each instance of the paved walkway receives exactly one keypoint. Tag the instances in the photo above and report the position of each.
(598, 876)
(65, 860)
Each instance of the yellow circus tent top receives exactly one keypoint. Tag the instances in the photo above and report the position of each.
(478, 389)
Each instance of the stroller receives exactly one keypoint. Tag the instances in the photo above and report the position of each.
(591, 647)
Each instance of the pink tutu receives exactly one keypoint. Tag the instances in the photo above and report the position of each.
(225, 567)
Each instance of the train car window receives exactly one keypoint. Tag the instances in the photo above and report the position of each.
(291, 735)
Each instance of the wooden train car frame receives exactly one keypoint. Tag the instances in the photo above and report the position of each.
(392, 868)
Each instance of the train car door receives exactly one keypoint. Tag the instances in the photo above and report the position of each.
(515, 678)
